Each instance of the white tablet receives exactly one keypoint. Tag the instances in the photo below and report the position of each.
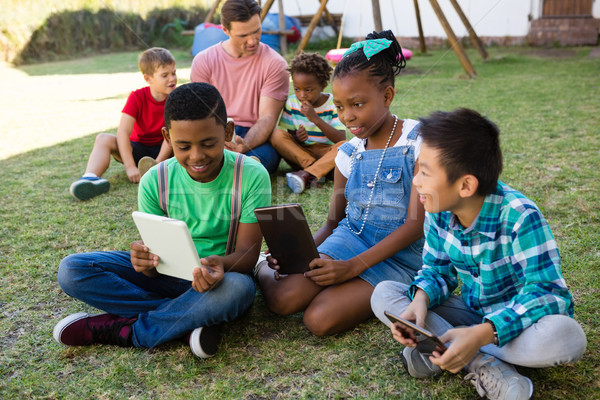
(171, 241)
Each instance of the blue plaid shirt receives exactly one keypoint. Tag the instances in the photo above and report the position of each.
(507, 260)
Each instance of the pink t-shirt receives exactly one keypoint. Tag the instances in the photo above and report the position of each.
(149, 117)
(242, 81)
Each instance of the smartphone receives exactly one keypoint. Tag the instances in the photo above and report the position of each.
(416, 328)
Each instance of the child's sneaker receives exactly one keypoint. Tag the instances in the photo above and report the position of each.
(204, 341)
(297, 181)
(262, 261)
(496, 379)
(145, 164)
(82, 329)
(418, 364)
(87, 187)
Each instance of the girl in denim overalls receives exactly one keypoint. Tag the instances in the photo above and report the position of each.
(374, 231)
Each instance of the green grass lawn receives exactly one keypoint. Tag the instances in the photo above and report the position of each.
(547, 107)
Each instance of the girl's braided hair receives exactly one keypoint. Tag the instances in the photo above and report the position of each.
(383, 66)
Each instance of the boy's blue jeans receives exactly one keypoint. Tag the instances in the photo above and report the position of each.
(166, 308)
(266, 153)
(552, 340)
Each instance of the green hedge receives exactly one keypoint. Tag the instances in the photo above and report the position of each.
(68, 34)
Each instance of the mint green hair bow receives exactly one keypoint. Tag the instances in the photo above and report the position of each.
(370, 47)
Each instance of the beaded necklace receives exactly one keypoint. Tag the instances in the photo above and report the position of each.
(364, 219)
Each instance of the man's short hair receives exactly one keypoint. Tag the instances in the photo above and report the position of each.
(238, 11)
(154, 58)
(468, 143)
(195, 101)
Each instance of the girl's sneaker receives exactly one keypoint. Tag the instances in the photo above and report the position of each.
(87, 187)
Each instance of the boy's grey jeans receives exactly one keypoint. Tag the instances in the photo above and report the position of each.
(552, 340)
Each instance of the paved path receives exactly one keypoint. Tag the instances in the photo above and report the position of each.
(41, 111)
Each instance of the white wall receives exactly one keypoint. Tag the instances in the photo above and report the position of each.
(488, 17)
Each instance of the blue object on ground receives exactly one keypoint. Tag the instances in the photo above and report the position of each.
(207, 34)
(271, 23)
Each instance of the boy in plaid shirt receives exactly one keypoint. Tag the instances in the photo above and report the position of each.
(515, 307)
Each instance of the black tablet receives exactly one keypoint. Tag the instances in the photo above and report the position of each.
(288, 237)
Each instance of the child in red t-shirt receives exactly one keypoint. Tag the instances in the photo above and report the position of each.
(138, 143)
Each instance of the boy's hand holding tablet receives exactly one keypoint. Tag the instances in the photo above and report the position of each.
(142, 260)
(209, 275)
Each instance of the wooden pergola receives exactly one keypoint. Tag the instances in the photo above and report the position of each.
(322, 11)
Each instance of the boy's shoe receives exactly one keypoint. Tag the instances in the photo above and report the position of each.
(496, 379)
(88, 187)
(297, 181)
(82, 329)
(204, 341)
(145, 164)
(418, 364)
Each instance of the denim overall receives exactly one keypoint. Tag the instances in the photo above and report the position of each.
(388, 211)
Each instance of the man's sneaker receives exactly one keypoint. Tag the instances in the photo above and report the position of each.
(204, 341)
(82, 329)
(145, 164)
(496, 379)
(297, 181)
(418, 364)
(88, 187)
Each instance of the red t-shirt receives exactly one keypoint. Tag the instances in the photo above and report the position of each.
(149, 117)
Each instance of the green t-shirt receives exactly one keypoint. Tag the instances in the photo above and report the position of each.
(206, 207)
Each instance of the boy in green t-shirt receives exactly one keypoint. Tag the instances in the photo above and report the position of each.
(144, 308)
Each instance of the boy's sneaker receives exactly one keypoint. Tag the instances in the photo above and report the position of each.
(88, 187)
(418, 364)
(297, 181)
(82, 329)
(496, 379)
(204, 341)
(145, 164)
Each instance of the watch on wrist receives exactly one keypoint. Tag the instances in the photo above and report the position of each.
(496, 341)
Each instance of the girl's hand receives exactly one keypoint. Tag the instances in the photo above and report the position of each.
(273, 264)
(209, 275)
(327, 272)
(301, 135)
(464, 344)
(142, 260)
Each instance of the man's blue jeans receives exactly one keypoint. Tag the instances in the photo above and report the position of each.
(267, 155)
(166, 308)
